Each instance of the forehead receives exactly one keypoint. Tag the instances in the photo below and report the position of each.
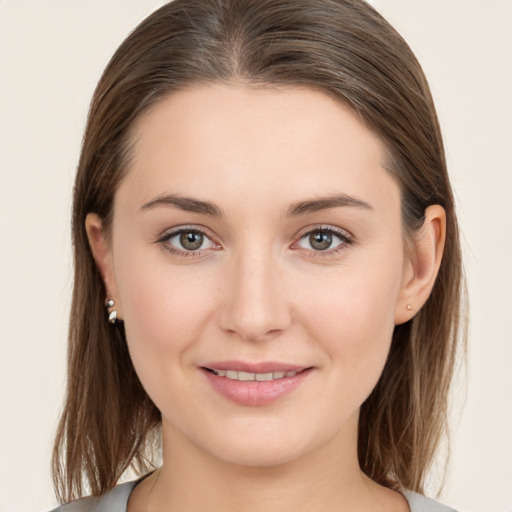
(208, 139)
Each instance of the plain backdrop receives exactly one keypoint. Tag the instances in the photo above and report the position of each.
(51, 56)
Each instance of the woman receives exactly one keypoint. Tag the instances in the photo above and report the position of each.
(267, 267)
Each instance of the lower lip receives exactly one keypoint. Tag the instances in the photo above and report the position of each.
(255, 392)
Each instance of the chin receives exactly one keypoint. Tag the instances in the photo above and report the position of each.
(269, 443)
(258, 455)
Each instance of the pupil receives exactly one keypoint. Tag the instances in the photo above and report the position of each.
(320, 240)
(191, 240)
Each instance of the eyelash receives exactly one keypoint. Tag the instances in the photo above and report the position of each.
(345, 240)
(164, 240)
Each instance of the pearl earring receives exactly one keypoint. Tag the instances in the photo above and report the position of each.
(112, 315)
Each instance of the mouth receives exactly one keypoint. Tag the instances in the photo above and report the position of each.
(255, 384)
(254, 376)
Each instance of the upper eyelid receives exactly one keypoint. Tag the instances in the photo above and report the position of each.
(325, 227)
(303, 231)
(170, 232)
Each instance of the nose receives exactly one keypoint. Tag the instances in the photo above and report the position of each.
(254, 302)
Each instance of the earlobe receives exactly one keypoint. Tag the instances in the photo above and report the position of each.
(424, 261)
(102, 253)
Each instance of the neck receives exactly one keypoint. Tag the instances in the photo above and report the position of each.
(327, 479)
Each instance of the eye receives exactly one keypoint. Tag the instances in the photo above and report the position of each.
(190, 240)
(187, 241)
(325, 239)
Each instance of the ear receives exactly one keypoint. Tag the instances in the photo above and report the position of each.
(102, 253)
(422, 264)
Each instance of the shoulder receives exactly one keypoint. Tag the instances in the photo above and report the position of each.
(112, 501)
(116, 501)
(419, 503)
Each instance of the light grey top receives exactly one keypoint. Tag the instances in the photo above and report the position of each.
(116, 500)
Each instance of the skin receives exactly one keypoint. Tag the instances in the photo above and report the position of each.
(259, 290)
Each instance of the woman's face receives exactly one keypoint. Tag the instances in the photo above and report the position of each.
(258, 262)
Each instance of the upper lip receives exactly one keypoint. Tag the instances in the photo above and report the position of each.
(261, 367)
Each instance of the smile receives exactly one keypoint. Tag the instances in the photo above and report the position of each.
(249, 376)
(255, 384)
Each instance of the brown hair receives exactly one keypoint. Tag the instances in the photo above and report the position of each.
(343, 48)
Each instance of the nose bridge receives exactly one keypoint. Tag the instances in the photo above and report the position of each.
(255, 305)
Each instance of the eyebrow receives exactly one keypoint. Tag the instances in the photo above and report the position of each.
(301, 208)
(325, 203)
(187, 204)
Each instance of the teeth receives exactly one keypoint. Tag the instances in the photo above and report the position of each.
(264, 376)
(248, 376)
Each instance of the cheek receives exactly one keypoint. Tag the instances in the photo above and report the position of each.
(164, 310)
(351, 315)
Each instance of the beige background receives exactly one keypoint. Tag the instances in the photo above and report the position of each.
(51, 55)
